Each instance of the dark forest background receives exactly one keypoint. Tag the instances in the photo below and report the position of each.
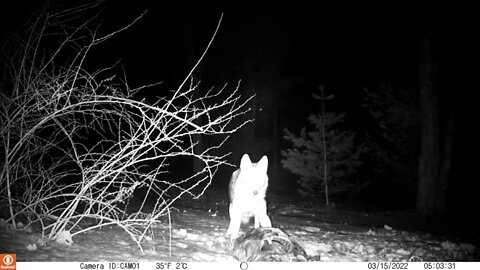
(283, 53)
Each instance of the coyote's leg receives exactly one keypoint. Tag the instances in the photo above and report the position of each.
(235, 221)
(261, 217)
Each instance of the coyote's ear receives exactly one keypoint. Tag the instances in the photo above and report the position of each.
(263, 164)
(245, 162)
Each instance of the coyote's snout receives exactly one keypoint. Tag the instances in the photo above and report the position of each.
(247, 189)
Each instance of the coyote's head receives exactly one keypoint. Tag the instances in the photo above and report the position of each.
(252, 177)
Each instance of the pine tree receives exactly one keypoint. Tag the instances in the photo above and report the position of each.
(394, 141)
(324, 157)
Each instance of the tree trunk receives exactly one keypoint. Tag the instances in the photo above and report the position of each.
(446, 158)
(429, 159)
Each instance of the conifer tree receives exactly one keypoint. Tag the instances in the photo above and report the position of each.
(324, 155)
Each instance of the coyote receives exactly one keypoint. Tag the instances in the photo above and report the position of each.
(247, 189)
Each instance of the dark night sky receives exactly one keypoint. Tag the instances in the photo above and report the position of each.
(290, 47)
(344, 47)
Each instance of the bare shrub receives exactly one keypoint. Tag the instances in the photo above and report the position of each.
(76, 144)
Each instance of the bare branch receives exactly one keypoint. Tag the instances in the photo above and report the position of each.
(76, 145)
